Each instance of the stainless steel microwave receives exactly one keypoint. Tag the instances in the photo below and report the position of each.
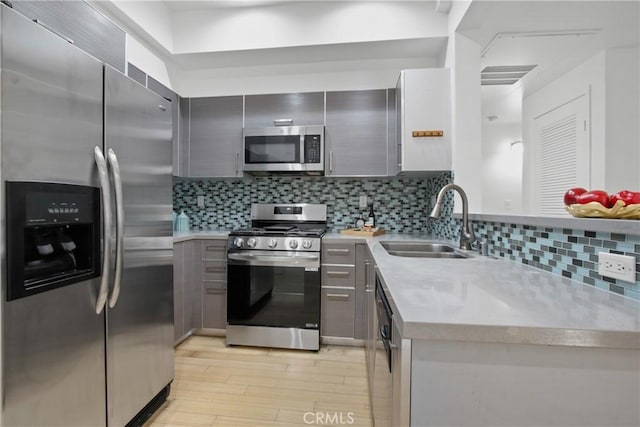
(284, 149)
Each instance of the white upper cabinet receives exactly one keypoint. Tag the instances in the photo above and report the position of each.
(423, 99)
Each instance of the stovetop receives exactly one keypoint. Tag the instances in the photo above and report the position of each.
(280, 230)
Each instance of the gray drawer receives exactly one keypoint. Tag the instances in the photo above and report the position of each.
(214, 250)
(214, 286)
(337, 312)
(214, 305)
(339, 253)
(214, 270)
(338, 275)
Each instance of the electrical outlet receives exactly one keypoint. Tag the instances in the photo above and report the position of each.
(363, 201)
(433, 201)
(507, 205)
(201, 201)
(617, 266)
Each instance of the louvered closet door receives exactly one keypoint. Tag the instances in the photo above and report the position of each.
(561, 153)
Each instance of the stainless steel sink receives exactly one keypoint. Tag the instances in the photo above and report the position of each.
(422, 250)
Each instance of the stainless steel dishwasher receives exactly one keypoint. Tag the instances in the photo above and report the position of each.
(382, 396)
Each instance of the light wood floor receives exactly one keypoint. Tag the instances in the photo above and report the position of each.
(245, 386)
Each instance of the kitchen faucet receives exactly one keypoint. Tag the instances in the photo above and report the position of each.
(467, 237)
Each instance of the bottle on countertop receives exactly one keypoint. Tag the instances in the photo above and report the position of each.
(371, 217)
(183, 222)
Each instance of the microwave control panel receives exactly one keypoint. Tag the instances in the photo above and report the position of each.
(312, 149)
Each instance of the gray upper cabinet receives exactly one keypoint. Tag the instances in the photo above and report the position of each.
(303, 108)
(356, 133)
(77, 21)
(215, 137)
(173, 97)
(181, 145)
(137, 74)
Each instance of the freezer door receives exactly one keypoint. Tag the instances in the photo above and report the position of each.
(51, 105)
(52, 342)
(140, 323)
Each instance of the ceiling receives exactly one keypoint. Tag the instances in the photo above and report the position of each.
(176, 24)
(379, 50)
(554, 35)
(178, 5)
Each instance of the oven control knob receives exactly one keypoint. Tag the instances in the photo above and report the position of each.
(272, 243)
(293, 244)
(238, 242)
(306, 244)
(252, 242)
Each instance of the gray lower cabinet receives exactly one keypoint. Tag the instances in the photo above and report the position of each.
(370, 315)
(338, 305)
(199, 286)
(178, 290)
(359, 327)
(338, 298)
(81, 24)
(302, 108)
(181, 146)
(214, 284)
(184, 287)
(215, 137)
(356, 133)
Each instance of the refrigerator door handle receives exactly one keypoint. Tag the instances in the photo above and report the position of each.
(103, 177)
(117, 183)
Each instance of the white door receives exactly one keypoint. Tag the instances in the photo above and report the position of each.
(560, 152)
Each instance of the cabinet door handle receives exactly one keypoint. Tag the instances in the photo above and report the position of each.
(338, 251)
(215, 269)
(338, 273)
(366, 274)
(215, 291)
(42, 24)
(338, 296)
(212, 248)
(330, 161)
(237, 163)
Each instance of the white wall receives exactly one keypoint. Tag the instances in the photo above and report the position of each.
(285, 78)
(611, 77)
(502, 168)
(463, 58)
(304, 23)
(622, 76)
(589, 77)
(151, 63)
(153, 17)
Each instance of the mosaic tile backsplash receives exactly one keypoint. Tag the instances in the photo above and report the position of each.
(400, 205)
(403, 206)
(567, 252)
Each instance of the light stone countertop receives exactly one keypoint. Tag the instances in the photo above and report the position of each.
(496, 300)
(193, 235)
(487, 299)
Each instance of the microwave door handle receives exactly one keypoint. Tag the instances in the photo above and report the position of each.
(117, 183)
(105, 193)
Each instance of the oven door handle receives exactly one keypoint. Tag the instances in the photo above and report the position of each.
(281, 260)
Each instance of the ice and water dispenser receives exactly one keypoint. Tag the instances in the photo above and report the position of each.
(53, 236)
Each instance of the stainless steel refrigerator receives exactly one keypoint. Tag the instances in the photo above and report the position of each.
(94, 346)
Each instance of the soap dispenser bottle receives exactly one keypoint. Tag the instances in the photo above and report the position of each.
(183, 222)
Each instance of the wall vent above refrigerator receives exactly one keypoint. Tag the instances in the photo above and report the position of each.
(504, 74)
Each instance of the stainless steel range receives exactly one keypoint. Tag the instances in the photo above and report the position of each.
(273, 277)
